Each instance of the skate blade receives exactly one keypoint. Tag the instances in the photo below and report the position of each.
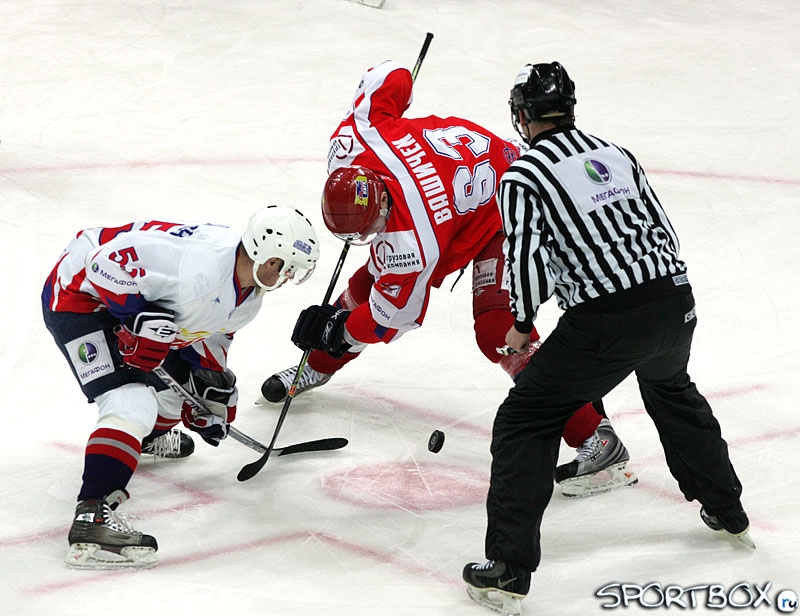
(507, 604)
(742, 538)
(611, 478)
(746, 539)
(91, 556)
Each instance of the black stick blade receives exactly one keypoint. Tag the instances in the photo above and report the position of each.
(251, 470)
(323, 444)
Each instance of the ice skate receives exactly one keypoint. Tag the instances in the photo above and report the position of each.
(600, 466)
(498, 586)
(102, 539)
(275, 387)
(172, 445)
(734, 521)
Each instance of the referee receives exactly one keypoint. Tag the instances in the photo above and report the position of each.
(583, 224)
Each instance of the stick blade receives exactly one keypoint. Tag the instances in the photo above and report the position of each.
(323, 444)
(249, 471)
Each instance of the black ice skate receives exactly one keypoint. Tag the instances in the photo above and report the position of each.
(497, 585)
(274, 389)
(600, 466)
(734, 521)
(102, 539)
(173, 445)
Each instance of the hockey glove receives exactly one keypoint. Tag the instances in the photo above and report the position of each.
(144, 339)
(218, 393)
(322, 328)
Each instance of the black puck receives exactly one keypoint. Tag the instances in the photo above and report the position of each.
(436, 441)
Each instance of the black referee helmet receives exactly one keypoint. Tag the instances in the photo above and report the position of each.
(542, 92)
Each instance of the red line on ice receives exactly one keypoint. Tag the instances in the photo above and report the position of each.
(273, 160)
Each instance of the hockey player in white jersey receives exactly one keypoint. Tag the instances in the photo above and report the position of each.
(123, 301)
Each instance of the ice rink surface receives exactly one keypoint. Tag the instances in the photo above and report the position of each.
(114, 110)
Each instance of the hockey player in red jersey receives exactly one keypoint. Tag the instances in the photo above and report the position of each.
(421, 193)
(121, 302)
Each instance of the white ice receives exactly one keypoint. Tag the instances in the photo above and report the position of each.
(120, 110)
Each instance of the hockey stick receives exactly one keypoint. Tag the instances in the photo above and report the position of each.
(422, 53)
(251, 470)
(324, 444)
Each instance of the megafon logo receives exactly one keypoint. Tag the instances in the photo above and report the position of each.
(597, 171)
(87, 352)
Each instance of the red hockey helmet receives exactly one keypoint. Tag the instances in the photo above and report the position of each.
(353, 204)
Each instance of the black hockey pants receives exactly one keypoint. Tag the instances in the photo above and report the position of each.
(585, 357)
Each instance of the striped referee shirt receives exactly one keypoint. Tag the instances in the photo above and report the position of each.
(581, 221)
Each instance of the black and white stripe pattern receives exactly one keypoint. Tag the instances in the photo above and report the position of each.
(577, 233)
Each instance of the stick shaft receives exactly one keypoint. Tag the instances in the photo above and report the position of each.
(250, 470)
(422, 53)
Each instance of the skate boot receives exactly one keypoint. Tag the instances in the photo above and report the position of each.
(275, 387)
(173, 445)
(102, 539)
(733, 520)
(600, 466)
(498, 586)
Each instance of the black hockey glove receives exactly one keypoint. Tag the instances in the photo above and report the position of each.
(322, 328)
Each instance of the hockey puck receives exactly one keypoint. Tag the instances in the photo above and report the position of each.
(436, 441)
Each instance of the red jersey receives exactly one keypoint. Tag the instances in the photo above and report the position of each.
(442, 175)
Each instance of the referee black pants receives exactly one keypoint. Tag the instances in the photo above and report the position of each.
(585, 357)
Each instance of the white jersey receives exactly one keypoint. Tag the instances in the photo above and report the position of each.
(185, 268)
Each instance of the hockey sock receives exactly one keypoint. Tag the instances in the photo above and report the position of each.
(110, 460)
(581, 425)
(325, 364)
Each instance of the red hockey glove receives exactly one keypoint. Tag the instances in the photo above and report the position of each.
(218, 393)
(144, 339)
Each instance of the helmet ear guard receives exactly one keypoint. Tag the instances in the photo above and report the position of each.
(542, 92)
(352, 204)
(284, 233)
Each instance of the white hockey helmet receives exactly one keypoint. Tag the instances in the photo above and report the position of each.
(283, 232)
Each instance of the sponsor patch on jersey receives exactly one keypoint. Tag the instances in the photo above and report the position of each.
(390, 290)
(343, 148)
(90, 356)
(112, 278)
(382, 310)
(484, 274)
(397, 253)
(597, 178)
